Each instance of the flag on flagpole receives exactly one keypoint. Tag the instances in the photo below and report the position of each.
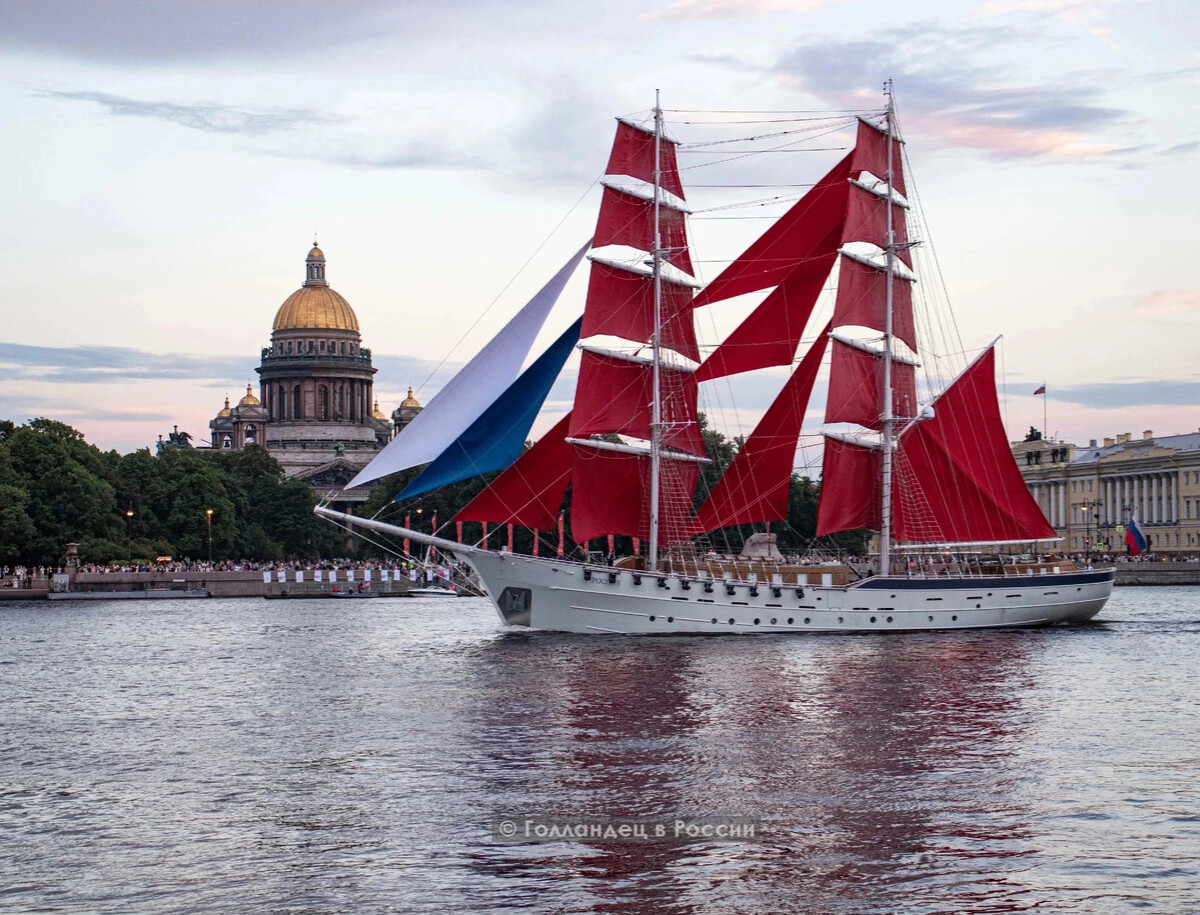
(1134, 538)
(1041, 390)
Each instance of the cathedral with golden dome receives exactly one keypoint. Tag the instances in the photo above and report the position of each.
(316, 411)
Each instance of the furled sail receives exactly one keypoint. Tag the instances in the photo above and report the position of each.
(530, 492)
(622, 305)
(496, 438)
(755, 487)
(469, 393)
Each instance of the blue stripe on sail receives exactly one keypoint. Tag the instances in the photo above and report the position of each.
(495, 439)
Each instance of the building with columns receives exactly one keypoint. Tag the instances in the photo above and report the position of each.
(316, 411)
(1090, 493)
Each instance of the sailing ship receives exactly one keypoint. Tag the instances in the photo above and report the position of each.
(935, 478)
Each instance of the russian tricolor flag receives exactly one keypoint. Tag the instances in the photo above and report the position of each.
(1041, 390)
(1134, 538)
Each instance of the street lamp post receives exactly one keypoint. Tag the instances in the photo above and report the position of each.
(208, 513)
(129, 532)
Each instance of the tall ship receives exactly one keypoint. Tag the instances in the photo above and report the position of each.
(917, 455)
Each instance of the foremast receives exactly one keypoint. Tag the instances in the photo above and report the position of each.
(888, 417)
(656, 354)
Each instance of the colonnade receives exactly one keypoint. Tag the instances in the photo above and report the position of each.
(1151, 498)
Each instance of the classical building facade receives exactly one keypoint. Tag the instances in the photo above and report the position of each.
(316, 411)
(1090, 493)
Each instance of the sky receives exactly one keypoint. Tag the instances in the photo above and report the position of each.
(166, 167)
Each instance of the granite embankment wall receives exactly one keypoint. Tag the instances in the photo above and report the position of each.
(218, 584)
(1158, 573)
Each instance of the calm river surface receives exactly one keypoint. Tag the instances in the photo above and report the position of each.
(321, 756)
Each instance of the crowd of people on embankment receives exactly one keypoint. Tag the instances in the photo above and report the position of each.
(24, 577)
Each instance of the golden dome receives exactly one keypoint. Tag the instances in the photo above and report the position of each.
(316, 252)
(375, 414)
(249, 400)
(315, 308)
(225, 412)
(410, 402)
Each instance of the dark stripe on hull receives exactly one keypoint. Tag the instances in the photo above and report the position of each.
(1004, 581)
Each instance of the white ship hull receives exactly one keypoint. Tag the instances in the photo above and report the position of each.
(564, 596)
(569, 597)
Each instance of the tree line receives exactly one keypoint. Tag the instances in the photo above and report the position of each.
(55, 489)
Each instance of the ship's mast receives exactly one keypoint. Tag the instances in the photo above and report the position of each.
(656, 403)
(885, 528)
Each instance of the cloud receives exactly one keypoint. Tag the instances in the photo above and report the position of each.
(1180, 149)
(949, 99)
(729, 9)
(1166, 302)
(108, 364)
(1110, 395)
(1083, 13)
(136, 32)
(210, 118)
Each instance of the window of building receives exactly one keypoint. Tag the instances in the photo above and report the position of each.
(296, 414)
(251, 433)
(227, 442)
(322, 346)
(289, 347)
(343, 347)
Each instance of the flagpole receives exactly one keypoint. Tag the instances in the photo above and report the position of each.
(1045, 423)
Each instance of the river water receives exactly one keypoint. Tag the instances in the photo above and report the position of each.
(321, 756)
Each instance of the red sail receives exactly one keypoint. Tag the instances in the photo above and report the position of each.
(610, 492)
(771, 333)
(790, 241)
(620, 303)
(531, 490)
(615, 395)
(866, 220)
(756, 485)
(957, 479)
(856, 387)
(862, 300)
(633, 155)
(626, 219)
(871, 155)
(850, 488)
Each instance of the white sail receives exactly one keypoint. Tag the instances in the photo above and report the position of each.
(469, 393)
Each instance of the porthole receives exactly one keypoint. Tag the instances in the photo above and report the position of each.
(954, 618)
(714, 621)
(670, 619)
(652, 619)
(773, 621)
(791, 620)
(807, 620)
(977, 606)
(931, 619)
(756, 621)
(872, 619)
(839, 619)
(731, 621)
(889, 619)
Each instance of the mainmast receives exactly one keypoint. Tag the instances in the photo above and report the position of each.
(656, 402)
(889, 419)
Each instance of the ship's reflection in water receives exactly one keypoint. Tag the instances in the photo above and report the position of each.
(880, 769)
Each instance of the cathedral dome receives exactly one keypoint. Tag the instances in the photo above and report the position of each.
(314, 306)
(410, 402)
(226, 412)
(249, 400)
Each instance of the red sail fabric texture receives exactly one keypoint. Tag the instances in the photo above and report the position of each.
(633, 155)
(620, 303)
(871, 155)
(755, 486)
(968, 487)
(790, 241)
(856, 388)
(850, 485)
(626, 219)
(530, 491)
(615, 395)
(610, 493)
(862, 301)
(866, 220)
(771, 333)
